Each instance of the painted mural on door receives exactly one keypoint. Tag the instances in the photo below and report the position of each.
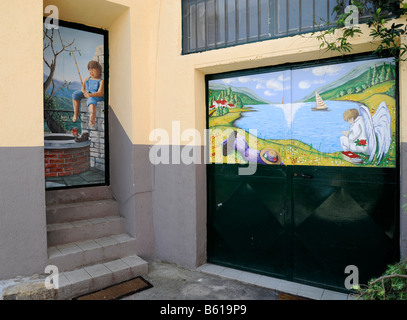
(332, 115)
(74, 105)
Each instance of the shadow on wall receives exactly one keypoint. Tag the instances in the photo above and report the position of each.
(131, 175)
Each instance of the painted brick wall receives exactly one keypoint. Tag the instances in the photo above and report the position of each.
(59, 163)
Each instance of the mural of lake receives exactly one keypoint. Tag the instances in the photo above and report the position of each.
(320, 129)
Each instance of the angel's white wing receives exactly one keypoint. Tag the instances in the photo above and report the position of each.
(382, 128)
(371, 138)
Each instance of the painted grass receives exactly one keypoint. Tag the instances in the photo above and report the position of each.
(292, 152)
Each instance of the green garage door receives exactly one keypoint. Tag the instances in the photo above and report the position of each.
(323, 194)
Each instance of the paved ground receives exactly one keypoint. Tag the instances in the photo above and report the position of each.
(208, 282)
(174, 283)
(213, 282)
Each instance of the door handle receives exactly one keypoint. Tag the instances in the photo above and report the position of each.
(307, 176)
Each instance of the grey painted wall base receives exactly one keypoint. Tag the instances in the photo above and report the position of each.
(164, 205)
(23, 233)
(179, 206)
(131, 185)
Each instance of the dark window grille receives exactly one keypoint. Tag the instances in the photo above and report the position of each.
(211, 24)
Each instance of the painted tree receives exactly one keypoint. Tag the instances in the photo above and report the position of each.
(54, 123)
(229, 92)
(382, 76)
(374, 76)
(369, 77)
(239, 103)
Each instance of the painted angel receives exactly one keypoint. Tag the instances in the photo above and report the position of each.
(370, 135)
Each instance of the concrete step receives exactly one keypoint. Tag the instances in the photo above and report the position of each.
(68, 212)
(54, 197)
(98, 276)
(80, 230)
(80, 254)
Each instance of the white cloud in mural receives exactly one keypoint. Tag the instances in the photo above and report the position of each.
(327, 70)
(260, 86)
(228, 80)
(269, 93)
(283, 78)
(258, 79)
(275, 85)
(304, 84)
(244, 79)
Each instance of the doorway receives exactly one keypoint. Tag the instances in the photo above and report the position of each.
(76, 144)
(324, 194)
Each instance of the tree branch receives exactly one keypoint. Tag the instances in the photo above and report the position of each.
(46, 62)
(388, 277)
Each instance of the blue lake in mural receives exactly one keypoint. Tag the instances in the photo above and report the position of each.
(320, 129)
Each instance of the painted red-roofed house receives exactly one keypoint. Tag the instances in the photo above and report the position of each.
(220, 102)
(222, 107)
(212, 110)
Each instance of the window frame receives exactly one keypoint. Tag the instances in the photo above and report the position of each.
(226, 43)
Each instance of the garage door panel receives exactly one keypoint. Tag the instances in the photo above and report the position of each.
(321, 195)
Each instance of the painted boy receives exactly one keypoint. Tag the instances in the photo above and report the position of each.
(92, 89)
(238, 142)
(355, 139)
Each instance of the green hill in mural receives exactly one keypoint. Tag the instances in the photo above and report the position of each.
(63, 103)
(373, 76)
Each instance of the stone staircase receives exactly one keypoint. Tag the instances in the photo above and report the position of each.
(87, 241)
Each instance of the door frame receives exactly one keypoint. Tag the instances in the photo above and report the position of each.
(290, 169)
(105, 34)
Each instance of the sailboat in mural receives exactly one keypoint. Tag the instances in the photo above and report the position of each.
(320, 104)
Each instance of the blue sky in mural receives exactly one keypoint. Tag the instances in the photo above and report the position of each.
(85, 42)
(290, 86)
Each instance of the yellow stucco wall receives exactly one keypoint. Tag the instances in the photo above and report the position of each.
(151, 83)
(21, 73)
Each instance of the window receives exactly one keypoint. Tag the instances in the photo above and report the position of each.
(211, 24)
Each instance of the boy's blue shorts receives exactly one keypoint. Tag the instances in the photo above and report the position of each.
(78, 95)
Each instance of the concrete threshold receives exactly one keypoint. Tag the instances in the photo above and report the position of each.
(280, 285)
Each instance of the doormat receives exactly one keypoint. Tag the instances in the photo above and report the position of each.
(286, 296)
(118, 291)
